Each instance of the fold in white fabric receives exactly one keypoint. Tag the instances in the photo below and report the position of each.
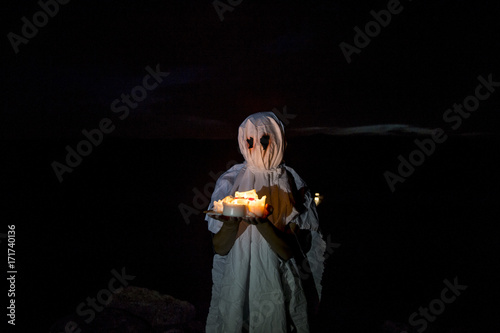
(253, 289)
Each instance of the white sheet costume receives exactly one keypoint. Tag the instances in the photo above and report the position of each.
(253, 289)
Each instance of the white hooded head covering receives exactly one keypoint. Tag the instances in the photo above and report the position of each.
(261, 138)
(253, 134)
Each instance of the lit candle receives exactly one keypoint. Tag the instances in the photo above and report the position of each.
(241, 204)
(255, 205)
(234, 209)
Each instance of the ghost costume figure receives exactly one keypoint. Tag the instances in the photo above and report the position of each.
(269, 279)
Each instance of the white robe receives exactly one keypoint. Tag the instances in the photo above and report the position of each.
(253, 289)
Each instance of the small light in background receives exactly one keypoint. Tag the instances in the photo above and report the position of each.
(317, 198)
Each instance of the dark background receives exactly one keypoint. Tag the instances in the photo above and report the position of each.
(120, 207)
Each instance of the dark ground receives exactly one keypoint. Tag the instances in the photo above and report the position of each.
(119, 208)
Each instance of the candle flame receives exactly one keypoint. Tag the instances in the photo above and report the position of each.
(248, 198)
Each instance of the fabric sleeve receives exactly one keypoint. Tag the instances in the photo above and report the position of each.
(222, 189)
(308, 216)
(308, 220)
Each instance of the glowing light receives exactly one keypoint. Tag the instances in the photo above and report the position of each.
(318, 198)
(241, 204)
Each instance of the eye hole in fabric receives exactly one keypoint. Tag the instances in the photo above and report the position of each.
(264, 141)
(250, 143)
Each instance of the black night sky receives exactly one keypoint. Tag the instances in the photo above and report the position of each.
(350, 121)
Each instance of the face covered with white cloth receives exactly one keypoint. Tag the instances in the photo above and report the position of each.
(261, 138)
